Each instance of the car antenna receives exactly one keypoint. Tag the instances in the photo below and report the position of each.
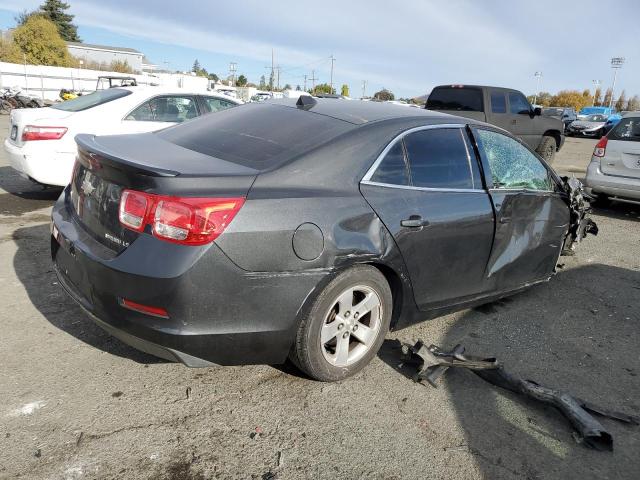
(305, 102)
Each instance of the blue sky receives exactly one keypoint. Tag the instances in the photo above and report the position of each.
(407, 47)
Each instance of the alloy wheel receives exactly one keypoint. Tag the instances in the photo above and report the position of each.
(351, 326)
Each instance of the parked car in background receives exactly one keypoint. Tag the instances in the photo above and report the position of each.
(41, 142)
(586, 111)
(505, 108)
(612, 121)
(304, 229)
(565, 114)
(589, 126)
(614, 171)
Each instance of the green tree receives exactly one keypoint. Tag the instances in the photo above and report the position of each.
(9, 51)
(323, 88)
(571, 98)
(622, 101)
(298, 89)
(214, 77)
(196, 66)
(241, 81)
(287, 87)
(55, 10)
(38, 39)
(263, 83)
(384, 95)
(344, 91)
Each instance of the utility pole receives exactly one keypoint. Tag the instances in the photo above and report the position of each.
(616, 64)
(271, 77)
(313, 81)
(305, 83)
(278, 68)
(331, 81)
(596, 85)
(364, 88)
(233, 66)
(538, 76)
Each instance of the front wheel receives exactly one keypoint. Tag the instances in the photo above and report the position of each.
(345, 325)
(547, 148)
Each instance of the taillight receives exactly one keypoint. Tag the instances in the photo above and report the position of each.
(601, 147)
(185, 220)
(33, 132)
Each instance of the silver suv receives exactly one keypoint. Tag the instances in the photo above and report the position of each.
(614, 171)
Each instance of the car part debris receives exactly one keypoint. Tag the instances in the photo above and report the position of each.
(580, 224)
(433, 362)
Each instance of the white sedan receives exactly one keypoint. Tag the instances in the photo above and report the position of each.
(41, 142)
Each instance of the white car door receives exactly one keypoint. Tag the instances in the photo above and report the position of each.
(159, 112)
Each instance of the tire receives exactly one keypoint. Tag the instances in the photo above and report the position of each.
(5, 107)
(547, 148)
(333, 318)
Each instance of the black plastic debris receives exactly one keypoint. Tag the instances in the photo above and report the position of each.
(432, 362)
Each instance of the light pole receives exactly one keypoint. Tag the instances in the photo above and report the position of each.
(538, 76)
(616, 64)
(596, 86)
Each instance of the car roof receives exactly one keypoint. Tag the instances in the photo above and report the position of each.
(359, 113)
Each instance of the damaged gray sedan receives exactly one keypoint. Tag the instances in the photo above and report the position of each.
(304, 230)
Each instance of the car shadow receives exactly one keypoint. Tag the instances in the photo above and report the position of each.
(34, 269)
(579, 334)
(618, 211)
(23, 196)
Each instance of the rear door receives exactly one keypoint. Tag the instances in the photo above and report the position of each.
(427, 189)
(160, 112)
(531, 216)
(622, 157)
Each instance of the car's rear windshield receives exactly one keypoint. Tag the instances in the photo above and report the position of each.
(84, 102)
(627, 129)
(455, 98)
(256, 135)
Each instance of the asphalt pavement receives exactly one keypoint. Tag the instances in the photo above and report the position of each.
(76, 403)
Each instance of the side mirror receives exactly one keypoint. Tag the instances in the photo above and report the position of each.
(537, 111)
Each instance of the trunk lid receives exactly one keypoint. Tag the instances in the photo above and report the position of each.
(108, 165)
(622, 157)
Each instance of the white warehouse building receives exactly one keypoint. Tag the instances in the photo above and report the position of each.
(106, 54)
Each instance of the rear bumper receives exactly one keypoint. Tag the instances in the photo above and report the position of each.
(218, 313)
(43, 165)
(597, 182)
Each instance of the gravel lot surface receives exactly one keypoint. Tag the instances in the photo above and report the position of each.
(76, 403)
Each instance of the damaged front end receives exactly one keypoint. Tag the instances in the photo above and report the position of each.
(580, 224)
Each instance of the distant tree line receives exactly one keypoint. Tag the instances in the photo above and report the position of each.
(579, 100)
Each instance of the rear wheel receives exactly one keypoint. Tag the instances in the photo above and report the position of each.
(345, 326)
(547, 148)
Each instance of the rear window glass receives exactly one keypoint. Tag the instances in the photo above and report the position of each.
(257, 135)
(94, 99)
(628, 129)
(461, 99)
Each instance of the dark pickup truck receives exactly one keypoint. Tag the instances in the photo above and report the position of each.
(506, 108)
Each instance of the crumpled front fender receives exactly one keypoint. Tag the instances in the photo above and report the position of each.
(580, 223)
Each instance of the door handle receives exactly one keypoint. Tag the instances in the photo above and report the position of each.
(414, 221)
(513, 122)
(505, 219)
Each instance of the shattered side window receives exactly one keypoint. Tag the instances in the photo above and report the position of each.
(512, 165)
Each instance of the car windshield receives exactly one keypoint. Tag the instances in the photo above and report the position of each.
(552, 111)
(596, 118)
(94, 99)
(627, 129)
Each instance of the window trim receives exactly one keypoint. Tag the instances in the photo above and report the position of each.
(171, 95)
(366, 180)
